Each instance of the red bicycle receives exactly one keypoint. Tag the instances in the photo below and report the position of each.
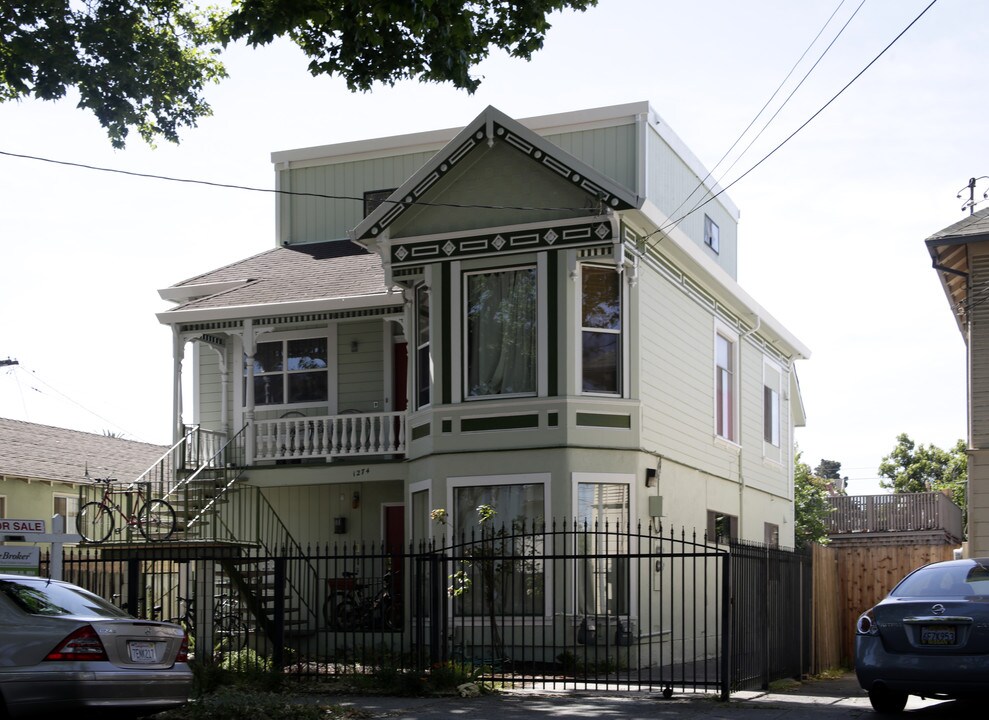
(154, 518)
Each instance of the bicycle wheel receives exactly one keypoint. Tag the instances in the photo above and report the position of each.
(348, 616)
(156, 520)
(94, 522)
(229, 634)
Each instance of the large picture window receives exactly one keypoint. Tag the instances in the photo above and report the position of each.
(290, 371)
(508, 576)
(501, 333)
(601, 329)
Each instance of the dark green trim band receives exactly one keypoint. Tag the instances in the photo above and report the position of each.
(623, 422)
(420, 431)
(501, 422)
(553, 326)
(446, 332)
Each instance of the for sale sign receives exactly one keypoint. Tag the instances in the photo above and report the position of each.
(20, 560)
(21, 527)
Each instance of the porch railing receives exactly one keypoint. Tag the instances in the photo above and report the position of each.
(330, 436)
(896, 512)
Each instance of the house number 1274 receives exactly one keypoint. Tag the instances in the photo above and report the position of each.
(362, 471)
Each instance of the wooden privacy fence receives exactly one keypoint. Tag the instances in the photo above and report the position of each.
(848, 580)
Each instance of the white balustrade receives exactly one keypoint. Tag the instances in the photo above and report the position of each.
(330, 436)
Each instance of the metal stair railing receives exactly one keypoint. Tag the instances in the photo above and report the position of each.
(217, 507)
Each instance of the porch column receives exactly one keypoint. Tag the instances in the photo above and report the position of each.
(178, 352)
(224, 382)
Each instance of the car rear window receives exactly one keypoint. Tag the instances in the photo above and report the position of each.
(959, 580)
(40, 597)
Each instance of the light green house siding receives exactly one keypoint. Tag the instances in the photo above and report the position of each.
(341, 187)
(611, 151)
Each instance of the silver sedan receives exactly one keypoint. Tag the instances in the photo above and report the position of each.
(66, 650)
(928, 637)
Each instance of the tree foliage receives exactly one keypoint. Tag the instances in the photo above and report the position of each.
(926, 468)
(144, 64)
(810, 505)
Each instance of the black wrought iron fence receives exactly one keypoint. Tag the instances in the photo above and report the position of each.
(568, 606)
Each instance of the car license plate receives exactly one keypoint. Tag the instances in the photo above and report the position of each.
(937, 635)
(142, 652)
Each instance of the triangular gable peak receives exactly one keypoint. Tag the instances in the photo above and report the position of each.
(497, 187)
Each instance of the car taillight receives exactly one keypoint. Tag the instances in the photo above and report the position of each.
(866, 625)
(183, 655)
(83, 644)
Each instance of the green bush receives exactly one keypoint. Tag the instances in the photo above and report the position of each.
(239, 703)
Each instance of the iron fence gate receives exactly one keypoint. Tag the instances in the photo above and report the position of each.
(560, 606)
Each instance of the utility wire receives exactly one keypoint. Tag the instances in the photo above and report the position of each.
(34, 377)
(792, 92)
(702, 183)
(805, 123)
(274, 191)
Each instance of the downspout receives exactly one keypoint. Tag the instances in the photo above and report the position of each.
(741, 474)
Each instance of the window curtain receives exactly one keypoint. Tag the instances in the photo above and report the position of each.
(501, 333)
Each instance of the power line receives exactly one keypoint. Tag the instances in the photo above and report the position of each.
(807, 122)
(752, 122)
(274, 191)
(33, 375)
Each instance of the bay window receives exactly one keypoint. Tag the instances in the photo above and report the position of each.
(601, 329)
(423, 368)
(500, 333)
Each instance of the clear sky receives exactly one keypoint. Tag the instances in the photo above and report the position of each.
(831, 232)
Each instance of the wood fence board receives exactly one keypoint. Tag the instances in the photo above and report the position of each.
(850, 579)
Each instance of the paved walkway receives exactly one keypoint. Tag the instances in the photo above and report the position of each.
(819, 700)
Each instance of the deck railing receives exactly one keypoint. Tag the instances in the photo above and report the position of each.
(897, 512)
(330, 436)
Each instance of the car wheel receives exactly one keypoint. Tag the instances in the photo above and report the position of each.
(886, 701)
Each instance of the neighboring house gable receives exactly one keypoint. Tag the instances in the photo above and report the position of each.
(42, 467)
(960, 254)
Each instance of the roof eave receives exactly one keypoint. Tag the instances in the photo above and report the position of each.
(239, 312)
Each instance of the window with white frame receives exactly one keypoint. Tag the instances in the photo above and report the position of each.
(712, 235)
(423, 369)
(508, 578)
(721, 527)
(601, 329)
(725, 348)
(68, 507)
(291, 371)
(602, 576)
(500, 333)
(772, 380)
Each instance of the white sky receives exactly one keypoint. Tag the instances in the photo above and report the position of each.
(831, 233)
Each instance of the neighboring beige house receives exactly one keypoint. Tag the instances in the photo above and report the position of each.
(42, 468)
(518, 312)
(960, 254)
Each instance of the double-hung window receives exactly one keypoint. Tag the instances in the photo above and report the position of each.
(291, 371)
(602, 576)
(772, 379)
(423, 369)
(601, 330)
(68, 507)
(500, 318)
(724, 391)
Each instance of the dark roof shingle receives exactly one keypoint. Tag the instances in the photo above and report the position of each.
(43, 452)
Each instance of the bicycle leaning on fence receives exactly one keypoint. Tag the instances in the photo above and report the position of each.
(154, 518)
(229, 631)
(350, 606)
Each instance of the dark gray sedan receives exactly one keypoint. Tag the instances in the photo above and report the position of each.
(65, 652)
(929, 637)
